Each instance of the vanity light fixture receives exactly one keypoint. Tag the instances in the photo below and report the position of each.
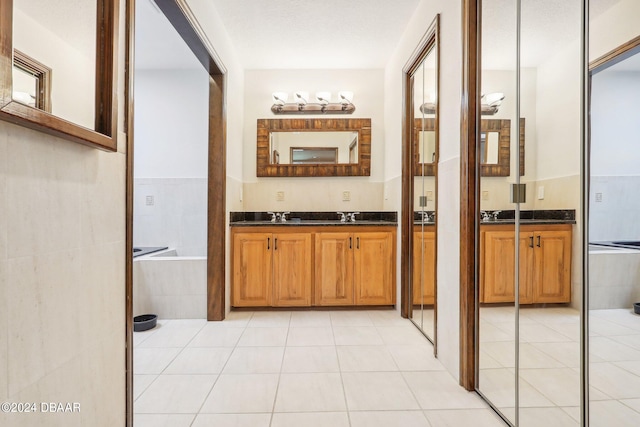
(303, 106)
(490, 103)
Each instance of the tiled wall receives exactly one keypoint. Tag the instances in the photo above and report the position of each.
(62, 278)
(616, 216)
(613, 279)
(177, 218)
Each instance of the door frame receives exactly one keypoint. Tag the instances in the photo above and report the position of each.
(183, 20)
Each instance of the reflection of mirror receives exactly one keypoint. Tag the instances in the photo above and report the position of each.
(31, 82)
(314, 147)
(72, 96)
(495, 156)
(420, 158)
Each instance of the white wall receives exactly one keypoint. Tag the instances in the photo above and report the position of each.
(172, 123)
(309, 194)
(73, 85)
(62, 281)
(449, 166)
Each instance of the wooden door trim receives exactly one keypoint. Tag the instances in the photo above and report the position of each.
(469, 210)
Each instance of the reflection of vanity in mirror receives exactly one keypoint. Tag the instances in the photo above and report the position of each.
(313, 147)
(58, 73)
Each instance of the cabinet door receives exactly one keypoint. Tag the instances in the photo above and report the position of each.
(334, 269)
(292, 269)
(374, 272)
(497, 268)
(252, 274)
(424, 270)
(552, 273)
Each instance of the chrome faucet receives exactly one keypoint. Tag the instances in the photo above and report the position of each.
(351, 217)
(343, 217)
(484, 216)
(495, 215)
(273, 216)
(283, 216)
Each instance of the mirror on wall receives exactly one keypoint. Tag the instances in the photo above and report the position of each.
(313, 147)
(58, 73)
(529, 296)
(298, 148)
(422, 125)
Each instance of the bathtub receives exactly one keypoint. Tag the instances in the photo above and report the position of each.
(614, 275)
(170, 285)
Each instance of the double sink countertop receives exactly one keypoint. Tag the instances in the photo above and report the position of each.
(387, 218)
(255, 219)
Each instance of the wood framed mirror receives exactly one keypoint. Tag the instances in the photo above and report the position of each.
(350, 139)
(76, 68)
(495, 151)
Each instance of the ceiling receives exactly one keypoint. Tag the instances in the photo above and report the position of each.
(315, 34)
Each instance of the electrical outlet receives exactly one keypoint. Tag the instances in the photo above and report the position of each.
(485, 195)
(149, 201)
(598, 197)
(430, 195)
(346, 196)
(280, 196)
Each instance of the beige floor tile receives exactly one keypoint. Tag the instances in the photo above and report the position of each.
(270, 319)
(499, 387)
(215, 335)
(415, 357)
(612, 351)
(439, 390)
(175, 394)
(153, 360)
(310, 336)
(567, 353)
(464, 417)
(141, 383)
(356, 335)
(199, 361)
(350, 318)
(176, 333)
(369, 391)
(612, 413)
(310, 359)
(307, 392)
(556, 417)
(263, 337)
(232, 420)
(310, 319)
(163, 420)
(310, 419)
(632, 403)
(614, 381)
(357, 358)
(388, 418)
(233, 394)
(561, 386)
(399, 335)
(255, 360)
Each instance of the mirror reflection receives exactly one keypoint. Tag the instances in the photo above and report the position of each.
(67, 47)
(298, 148)
(424, 82)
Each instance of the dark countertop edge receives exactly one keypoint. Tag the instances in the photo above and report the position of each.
(330, 216)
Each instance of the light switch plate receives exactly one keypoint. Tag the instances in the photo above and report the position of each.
(346, 196)
(280, 196)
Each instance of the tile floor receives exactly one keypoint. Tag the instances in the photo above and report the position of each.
(301, 368)
(550, 365)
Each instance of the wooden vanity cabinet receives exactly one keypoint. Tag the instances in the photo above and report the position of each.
(424, 254)
(544, 265)
(355, 267)
(302, 266)
(271, 269)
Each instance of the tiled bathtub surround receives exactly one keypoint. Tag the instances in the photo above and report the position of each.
(169, 285)
(177, 218)
(614, 277)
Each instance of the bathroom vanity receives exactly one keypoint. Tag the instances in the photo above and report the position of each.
(313, 259)
(545, 260)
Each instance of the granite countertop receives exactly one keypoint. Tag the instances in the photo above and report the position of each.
(567, 216)
(315, 219)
